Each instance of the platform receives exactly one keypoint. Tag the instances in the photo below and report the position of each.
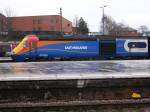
(63, 70)
(70, 84)
(5, 58)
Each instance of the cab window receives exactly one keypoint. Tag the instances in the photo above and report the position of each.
(34, 45)
(25, 44)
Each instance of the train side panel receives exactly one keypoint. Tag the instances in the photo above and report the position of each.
(131, 47)
(69, 49)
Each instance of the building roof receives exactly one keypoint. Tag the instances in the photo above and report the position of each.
(36, 16)
(39, 16)
(125, 29)
(2, 15)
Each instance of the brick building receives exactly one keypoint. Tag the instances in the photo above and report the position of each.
(50, 23)
(3, 23)
(125, 32)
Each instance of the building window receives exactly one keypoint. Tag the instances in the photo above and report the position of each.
(52, 21)
(34, 28)
(39, 28)
(52, 28)
(34, 21)
(39, 21)
(56, 21)
(68, 25)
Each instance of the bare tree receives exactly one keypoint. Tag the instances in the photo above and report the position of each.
(111, 25)
(9, 13)
(142, 29)
(76, 24)
(1, 22)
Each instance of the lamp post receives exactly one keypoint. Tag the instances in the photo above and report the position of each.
(103, 17)
(61, 21)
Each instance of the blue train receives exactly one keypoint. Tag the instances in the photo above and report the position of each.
(102, 47)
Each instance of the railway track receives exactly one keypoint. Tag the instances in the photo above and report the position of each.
(106, 95)
(47, 104)
(123, 104)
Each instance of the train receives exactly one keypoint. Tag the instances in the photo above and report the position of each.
(33, 47)
(6, 48)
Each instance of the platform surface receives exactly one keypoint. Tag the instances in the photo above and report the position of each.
(5, 58)
(59, 70)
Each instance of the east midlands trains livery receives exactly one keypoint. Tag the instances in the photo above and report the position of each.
(34, 47)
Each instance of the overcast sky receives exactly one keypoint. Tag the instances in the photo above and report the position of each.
(131, 12)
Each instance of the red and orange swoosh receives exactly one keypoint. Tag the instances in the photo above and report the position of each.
(44, 43)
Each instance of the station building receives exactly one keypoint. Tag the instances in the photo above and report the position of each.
(51, 23)
(129, 32)
(3, 23)
(43, 23)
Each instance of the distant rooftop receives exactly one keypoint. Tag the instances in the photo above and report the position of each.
(2, 14)
(36, 16)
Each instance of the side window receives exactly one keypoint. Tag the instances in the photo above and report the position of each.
(25, 44)
(68, 25)
(34, 45)
(137, 45)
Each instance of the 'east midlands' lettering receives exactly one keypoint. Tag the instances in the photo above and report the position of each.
(76, 47)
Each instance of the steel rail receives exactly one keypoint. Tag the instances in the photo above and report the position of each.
(74, 103)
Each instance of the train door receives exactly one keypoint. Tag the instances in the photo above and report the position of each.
(108, 48)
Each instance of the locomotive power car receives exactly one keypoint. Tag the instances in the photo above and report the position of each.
(34, 47)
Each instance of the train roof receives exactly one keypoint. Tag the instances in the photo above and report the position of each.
(86, 37)
(59, 37)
